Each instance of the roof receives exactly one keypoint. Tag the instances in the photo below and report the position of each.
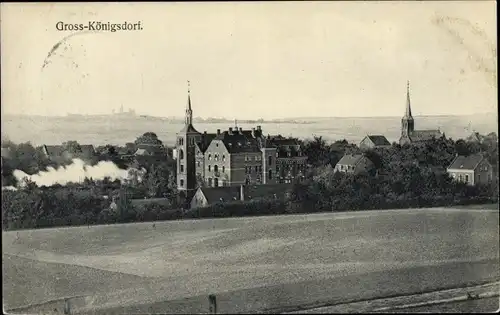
(378, 140)
(282, 141)
(188, 128)
(350, 159)
(424, 135)
(151, 149)
(263, 191)
(141, 152)
(60, 150)
(475, 136)
(221, 194)
(237, 142)
(87, 149)
(206, 138)
(54, 150)
(466, 162)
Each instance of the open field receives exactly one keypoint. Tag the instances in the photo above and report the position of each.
(259, 263)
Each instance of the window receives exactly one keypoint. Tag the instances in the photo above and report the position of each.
(209, 168)
(181, 141)
(247, 181)
(181, 182)
(216, 168)
(209, 157)
(181, 154)
(255, 158)
(198, 163)
(182, 168)
(466, 178)
(460, 177)
(479, 178)
(270, 160)
(224, 183)
(246, 158)
(223, 169)
(209, 182)
(270, 174)
(256, 169)
(223, 157)
(216, 182)
(260, 169)
(216, 157)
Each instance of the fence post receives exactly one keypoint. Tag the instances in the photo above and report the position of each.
(67, 307)
(213, 304)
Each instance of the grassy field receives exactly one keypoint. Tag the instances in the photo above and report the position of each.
(251, 263)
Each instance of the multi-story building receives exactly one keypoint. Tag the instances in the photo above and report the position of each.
(408, 133)
(234, 157)
(291, 163)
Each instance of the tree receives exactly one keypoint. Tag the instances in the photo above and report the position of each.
(149, 138)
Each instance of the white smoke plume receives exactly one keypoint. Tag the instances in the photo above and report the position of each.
(78, 171)
(9, 188)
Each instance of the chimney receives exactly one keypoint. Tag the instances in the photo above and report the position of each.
(230, 130)
(259, 128)
(242, 193)
(253, 132)
(218, 131)
(205, 132)
(241, 130)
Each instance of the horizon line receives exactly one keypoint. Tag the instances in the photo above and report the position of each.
(260, 118)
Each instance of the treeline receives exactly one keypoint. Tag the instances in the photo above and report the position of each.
(404, 177)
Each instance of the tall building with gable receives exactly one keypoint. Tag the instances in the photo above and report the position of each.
(234, 157)
(408, 133)
(186, 142)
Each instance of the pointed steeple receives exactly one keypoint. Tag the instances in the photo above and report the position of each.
(408, 103)
(189, 111)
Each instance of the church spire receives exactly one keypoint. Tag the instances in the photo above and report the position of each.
(408, 105)
(189, 111)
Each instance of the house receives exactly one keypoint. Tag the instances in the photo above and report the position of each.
(354, 164)
(374, 141)
(206, 196)
(150, 150)
(473, 169)
(58, 152)
(291, 162)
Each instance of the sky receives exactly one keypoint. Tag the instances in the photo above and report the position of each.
(252, 60)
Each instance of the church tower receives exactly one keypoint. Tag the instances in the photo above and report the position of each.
(185, 145)
(407, 122)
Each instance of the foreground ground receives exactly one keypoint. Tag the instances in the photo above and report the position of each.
(264, 263)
